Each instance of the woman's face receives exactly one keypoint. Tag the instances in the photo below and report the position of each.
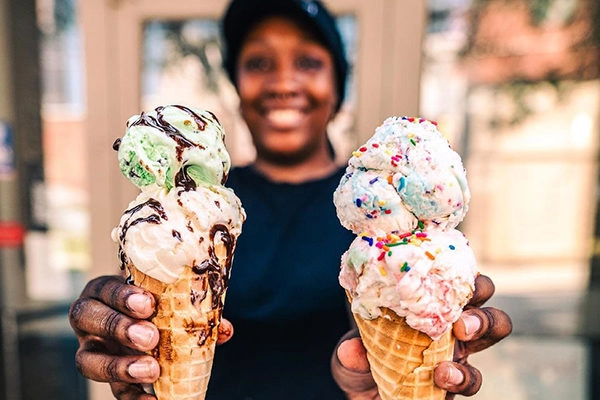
(286, 84)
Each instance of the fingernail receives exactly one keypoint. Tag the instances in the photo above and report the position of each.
(472, 324)
(141, 335)
(455, 376)
(138, 302)
(141, 370)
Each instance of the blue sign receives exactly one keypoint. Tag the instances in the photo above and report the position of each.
(7, 153)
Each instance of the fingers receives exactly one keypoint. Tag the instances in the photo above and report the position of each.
(91, 317)
(94, 361)
(480, 328)
(115, 293)
(111, 309)
(484, 289)
(225, 331)
(457, 378)
(127, 391)
(353, 355)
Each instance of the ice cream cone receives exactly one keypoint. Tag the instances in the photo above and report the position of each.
(188, 324)
(402, 359)
(177, 237)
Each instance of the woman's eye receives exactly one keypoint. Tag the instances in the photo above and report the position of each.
(257, 64)
(309, 63)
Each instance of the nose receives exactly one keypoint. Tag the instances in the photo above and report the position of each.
(285, 79)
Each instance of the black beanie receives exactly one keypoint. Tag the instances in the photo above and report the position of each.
(243, 15)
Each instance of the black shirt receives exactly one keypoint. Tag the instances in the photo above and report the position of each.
(284, 300)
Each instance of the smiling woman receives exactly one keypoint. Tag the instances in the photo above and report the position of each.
(286, 82)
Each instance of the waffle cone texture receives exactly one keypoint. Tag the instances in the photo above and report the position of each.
(187, 322)
(402, 359)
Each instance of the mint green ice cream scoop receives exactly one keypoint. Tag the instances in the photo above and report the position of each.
(174, 146)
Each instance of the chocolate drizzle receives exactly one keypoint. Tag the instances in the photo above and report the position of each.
(154, 218)
(217, 268)
(184, 181)
(213, 275)
(159, 123)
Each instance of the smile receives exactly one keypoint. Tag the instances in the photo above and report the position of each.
(282, 118)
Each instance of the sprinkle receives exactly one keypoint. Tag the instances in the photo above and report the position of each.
(405, 267)
(379, 245)
(376, 145)
(356, 154)
(413, 142)
(372, 181)
(396, 244)
(382, 271)
(381, 256)
(421, 225)
(362, 149)
(421, 235)
(388, 211)
(402, 183)
(405, 235)
(429, 255)
(381, 203)
(389, 253)
(368, 240)
(452, 247)
(390, 179)
(358, 202)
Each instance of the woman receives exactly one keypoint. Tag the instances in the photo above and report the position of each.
(286, 60)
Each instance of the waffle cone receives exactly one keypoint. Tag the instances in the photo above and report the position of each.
(188, 324)
(402, 359)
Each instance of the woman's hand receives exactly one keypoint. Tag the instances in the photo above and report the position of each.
(110, 321)
(477, 329)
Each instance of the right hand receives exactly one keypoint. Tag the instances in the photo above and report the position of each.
(110, 321)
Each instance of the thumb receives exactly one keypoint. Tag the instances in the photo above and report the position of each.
(353, 355)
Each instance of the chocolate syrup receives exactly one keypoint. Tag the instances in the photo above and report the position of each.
(151, 219)
(184, 181)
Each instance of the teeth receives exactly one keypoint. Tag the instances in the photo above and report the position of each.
(284, 116)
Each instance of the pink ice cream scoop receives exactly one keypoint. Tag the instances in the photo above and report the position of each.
(426, 276)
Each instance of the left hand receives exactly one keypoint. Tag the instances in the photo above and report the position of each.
(477, 329)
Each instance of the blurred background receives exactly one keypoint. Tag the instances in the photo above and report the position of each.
(513, 84)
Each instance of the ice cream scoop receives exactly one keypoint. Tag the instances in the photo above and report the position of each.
(426, 276)
(172, 146)
(163, 232)
(405, 173)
